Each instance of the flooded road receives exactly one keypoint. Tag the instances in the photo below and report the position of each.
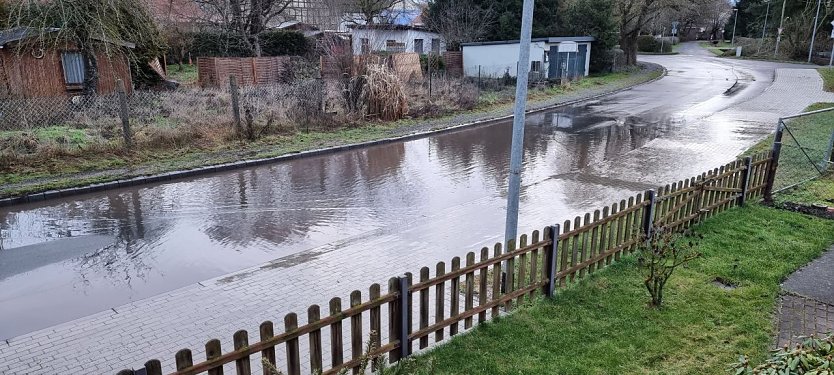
(60, 260)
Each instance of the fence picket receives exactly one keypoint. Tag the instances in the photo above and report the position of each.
(293, 355)
(213, 351)
(424, 307)
(153, 367)
(565, 254)
(394, 320)
(455, 297)
(603, 238)
(357, 339)
(522, 270)
(496, 281)
(594, 249)
(470, 290)
(613, 240)
(628, 231)
(336, 345)
(621, 226)
(585, 244)
(534, 264)
(482, 285)
(375, 315)
(242, 365)
(183, 359)
(439, 300)
(316, 363)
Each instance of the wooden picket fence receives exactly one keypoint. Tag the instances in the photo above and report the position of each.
(557, 256)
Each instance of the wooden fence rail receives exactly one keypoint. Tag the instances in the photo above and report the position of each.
(471, 290)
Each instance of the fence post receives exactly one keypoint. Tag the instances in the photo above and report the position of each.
(124, 113)
(429, 69)
(550, 256)
(745, 181)
(829, 152)
(235, 103)
(648, 215)
(774, 162)
(405, 303)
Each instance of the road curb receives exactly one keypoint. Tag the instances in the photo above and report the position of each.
(207, 170)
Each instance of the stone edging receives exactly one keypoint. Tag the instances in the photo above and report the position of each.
(142, 180)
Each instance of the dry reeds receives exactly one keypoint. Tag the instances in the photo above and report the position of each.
(382, 93)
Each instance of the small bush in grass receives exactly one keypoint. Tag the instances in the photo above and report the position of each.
(815, 356)
(664, 252)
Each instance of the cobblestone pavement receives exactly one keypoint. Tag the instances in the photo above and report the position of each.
(157, 327)
(801, 316)
(808, 306)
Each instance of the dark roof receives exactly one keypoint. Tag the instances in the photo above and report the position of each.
(385, 26)
(20, 33)
(553, 39)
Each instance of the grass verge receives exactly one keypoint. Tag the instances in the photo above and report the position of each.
(603, 324)
(827, 78)
(185, 74)
(98, 167)
(813, 133)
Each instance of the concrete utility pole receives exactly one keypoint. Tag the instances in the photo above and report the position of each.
(517, 150)
(735, 21)
(779, 32)
(764, 28)
(814, 33)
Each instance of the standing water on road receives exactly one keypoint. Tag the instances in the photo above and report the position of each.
(437, 197)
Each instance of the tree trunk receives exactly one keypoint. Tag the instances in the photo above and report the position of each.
(90, 72)
(629, 47)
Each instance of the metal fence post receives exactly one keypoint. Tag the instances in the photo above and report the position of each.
(774, 162)
(124, 113)
(829, 152)
(745, 181)
(648, 215)
(550, 257)
(235, 104)
(405, 315)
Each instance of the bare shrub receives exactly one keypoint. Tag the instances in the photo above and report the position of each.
(663, 253)
(382, 94)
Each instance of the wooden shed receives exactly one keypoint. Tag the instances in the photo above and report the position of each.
(55, 70)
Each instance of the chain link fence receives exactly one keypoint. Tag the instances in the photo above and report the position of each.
(804, 142)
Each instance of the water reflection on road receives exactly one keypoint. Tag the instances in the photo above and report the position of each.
(66, 259)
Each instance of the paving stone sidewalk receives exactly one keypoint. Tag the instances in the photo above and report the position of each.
(808, 306)
(157, 327)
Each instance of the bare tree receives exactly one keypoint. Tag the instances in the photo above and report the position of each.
(633, 17)
(459, 21)
(246, 18)
(365, 12)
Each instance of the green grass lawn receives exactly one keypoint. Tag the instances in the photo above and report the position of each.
(603, 325)
(184, 74)
(812, 133)
(827, 78)
(717, 49)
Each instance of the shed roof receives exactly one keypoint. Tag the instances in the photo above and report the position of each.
(19, 33)
(552, 39)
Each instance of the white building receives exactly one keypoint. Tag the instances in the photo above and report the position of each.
(552, 58)
(395, 38)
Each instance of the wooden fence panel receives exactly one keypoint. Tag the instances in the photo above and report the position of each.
(586, 244)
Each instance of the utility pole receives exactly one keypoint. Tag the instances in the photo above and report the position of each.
(764, 28)
(517, 149)
(814, 33)
(779, 32)
(735, 22)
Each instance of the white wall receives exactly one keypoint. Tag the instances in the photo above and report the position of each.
(377, 39)
(497, 59)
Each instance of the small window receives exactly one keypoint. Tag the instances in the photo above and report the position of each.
(394, 46)
(73, 64)
(418, 46)
(536, 66)
(435, 45)
(366, 45)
